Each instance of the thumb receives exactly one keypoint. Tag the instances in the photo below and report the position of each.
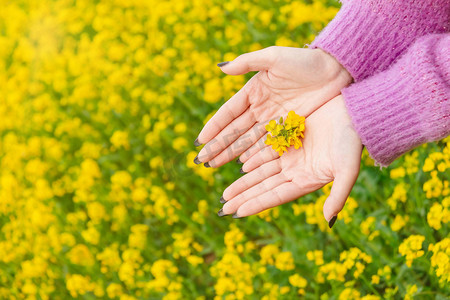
(253, 61)
(340, 191)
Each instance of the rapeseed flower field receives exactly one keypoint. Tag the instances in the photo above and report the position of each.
(100, 102)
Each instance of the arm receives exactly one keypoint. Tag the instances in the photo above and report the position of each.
(367, 36)
(406, 105)
(390, 113)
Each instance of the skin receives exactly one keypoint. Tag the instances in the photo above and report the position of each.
(331, 152)
(302, 80)
(289, 78)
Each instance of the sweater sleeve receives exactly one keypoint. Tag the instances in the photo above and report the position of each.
(407, 105)
(367, 36)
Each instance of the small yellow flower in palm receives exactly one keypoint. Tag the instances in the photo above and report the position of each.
(284, 135)
(294, 121)
(274, 128)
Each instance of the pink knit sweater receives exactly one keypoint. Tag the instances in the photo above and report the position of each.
(398, 53)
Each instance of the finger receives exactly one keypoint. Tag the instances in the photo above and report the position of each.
(281, 194)
(252, 61)
(261, 157)
(264, 186)
(255, 148)
(239, 146)
(249, 180)
(226, 137)
(340, 191)
(229, 111)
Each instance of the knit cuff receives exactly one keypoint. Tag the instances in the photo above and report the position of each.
(366, 37)
(383, 117)
(406, 105)
(349, 37)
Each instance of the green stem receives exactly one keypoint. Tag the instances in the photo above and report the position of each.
(369, 285)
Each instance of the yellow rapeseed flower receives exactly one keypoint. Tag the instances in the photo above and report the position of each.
(78, 285)
(298, 281)
(411, 290)
(438, 215)
(440, 260)
(399, 222)
(284, 261)
(284, 135)
(411, 248)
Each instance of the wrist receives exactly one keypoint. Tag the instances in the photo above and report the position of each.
(334, 69)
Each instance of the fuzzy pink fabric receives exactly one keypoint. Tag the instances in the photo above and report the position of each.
(367, 36)
(408, 104)
(398, 53)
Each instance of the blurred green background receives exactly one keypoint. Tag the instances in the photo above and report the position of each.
(99, 198)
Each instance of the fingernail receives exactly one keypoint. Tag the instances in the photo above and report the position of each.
(197, 161)
(331, 223)
(222, 64)
(238, 161)
(235, 216)
(197, 143)
(220, 213)
(241, 171)
(222, 200)
(207, 165)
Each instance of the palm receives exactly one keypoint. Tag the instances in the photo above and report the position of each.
(331, 151)
(273, 93)
(292, 79)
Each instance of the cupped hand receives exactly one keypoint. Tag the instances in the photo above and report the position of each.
(331, 152)
(295, 79)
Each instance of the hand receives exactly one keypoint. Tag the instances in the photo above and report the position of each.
(331, 152)
(295, 79)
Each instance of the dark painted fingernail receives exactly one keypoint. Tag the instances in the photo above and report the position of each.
(197, 143)
(220, 213)
(222, 63)
(241, 171)
(239, 161)
(197, 161)
(207, 165)
(235, 216)
(222, 200)
(331, 223)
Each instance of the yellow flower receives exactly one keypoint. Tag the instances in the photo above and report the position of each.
(440, 260)
(349, 294)
(385, 272)
(294, 121)
(268, 254)
(370, 297)
(284, 135)
(114, 290)
(411, 248)
(399, 222)
(278, 143)
(437, 215)
(375, 279)
(274, 127)
(412, 289)
(138, 236)
(297, 281)
(78, 285)
(233, 276)
(332, 271)
(398, 173)
(81, 255)
(316, 256)
(194, 260)
(179, 143)
(284, 261)
(367, 225)
(120, 139)
(295, 141)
